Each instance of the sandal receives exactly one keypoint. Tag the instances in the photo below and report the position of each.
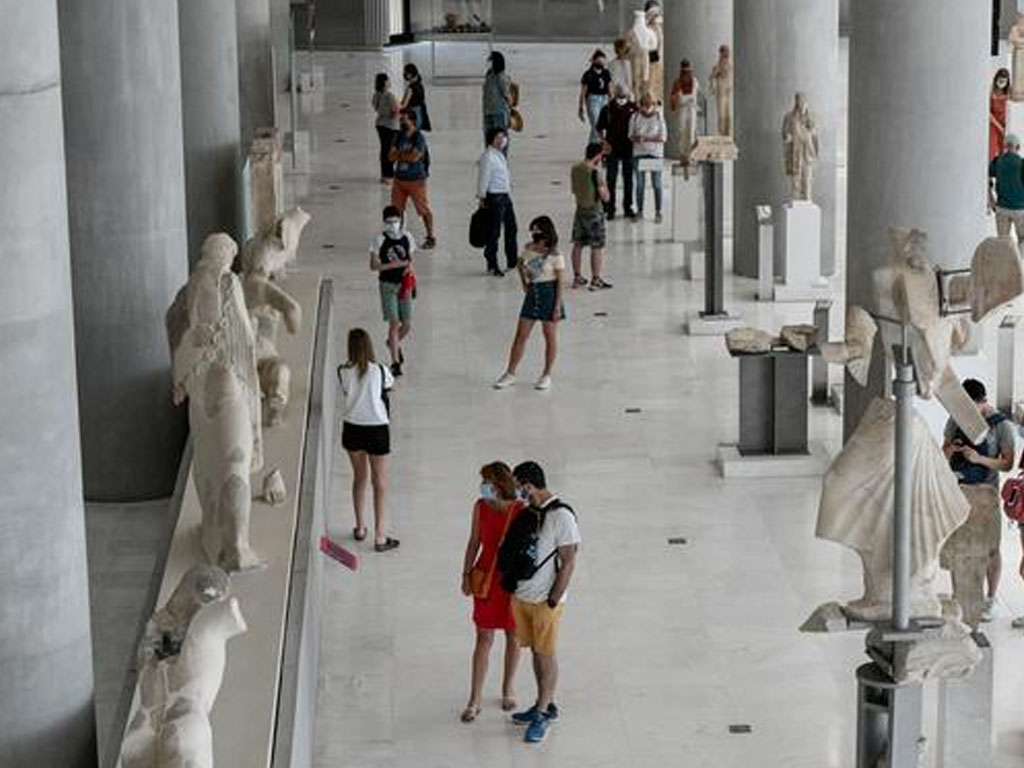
(469, 714)
(508, 703)
(579, 282)
(356, 533)
(386, 545)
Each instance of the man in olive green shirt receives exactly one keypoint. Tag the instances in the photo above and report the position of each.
(588, 228)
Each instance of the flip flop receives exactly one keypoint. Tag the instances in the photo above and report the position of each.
(469, 714)
(357, 535)
(386, 545)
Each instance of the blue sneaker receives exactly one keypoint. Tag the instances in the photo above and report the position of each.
(527, 716)
(537, 730)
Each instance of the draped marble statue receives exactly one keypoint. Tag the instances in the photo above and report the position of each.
(799, 148)
(641, 40)
(264, 260)
(720, 86)
(214, 365)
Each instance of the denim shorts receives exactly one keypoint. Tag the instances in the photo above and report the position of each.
(539, 302)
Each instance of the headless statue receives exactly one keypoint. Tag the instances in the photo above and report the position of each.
(720, 86)
(799, 148)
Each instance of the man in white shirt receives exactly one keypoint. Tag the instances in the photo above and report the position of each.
(494, 190)
(539, 601)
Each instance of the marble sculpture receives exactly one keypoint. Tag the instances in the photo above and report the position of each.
(685, 93)
(1016, 39)
(720, 86)
(965, 554)
(264, 260)
(213, 351)
(641, 40)
(171, 724)
(857, 498)
(799, 148)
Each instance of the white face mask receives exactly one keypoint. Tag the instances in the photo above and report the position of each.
(620, 100)
(393, 227)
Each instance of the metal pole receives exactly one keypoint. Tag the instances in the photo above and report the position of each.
(904, 389)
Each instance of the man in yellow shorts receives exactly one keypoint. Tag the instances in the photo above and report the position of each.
(539, 601)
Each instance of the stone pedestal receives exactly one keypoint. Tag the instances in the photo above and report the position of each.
(687, 205)
(765, 251)
(1007, 363)
(800, 236)
(964, 732)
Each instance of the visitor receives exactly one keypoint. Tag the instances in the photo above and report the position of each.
(998, 101)
(539, 601)
(621, 67)
(493, 513)
(409, 154)
(366, 434)
(385, 105)
(494, 191)
(981, 464)
(391, 258)
(540, 269)
(1006, 189)
(613, 125)
(594, 89)
(497, 98)
(648, 132)
(415, 97)
(588, 227)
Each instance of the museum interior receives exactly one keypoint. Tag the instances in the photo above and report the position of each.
(295, 481)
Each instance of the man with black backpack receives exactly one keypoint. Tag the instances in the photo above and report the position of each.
(980, 465)
(537, 559)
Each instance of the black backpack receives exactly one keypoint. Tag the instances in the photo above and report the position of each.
(517, 555)
(974, 474)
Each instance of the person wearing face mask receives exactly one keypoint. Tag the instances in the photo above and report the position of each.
(613, 125)
(411, 156)
(541, 267)
(493, 513)
(648, 131)
(594, 87)
(391, 258)
(494, 191)
(497, 98)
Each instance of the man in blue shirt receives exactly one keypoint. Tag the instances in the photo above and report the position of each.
(1006, 188)
(411, 157)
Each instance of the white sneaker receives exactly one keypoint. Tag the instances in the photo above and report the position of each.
(506, 380)
(1018, 623)
(543, 383)
(989, 610)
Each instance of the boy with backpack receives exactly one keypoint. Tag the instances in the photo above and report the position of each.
(537, 559)
(980, 465)
(391, 258)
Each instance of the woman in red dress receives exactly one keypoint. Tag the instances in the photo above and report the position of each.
(997, 113)
(492, 514)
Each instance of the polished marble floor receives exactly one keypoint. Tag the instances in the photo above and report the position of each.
(664, 646)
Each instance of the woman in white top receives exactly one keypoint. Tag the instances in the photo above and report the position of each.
(647, 131)
(366, 433)
(540, 268)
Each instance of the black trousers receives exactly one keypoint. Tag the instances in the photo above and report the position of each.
(387, 138)
(502, 214)
(612, 165)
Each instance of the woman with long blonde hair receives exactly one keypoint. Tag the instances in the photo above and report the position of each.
(366, 433)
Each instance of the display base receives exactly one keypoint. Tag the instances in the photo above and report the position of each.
(731, 463)
(687, 205)
(712, 325)
(802, 293)
(693, 261)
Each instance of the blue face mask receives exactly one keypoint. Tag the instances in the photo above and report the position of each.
(487, 492)
(523, 495)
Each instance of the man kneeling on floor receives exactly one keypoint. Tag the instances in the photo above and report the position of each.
(536, 559)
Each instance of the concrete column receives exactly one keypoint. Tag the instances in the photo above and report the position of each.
(280, 33)
(782, 46)
(902, 110)
(46, 709)
(129, 250)
(209, 105)
(375, 23)
(693, 30)
(255, 75)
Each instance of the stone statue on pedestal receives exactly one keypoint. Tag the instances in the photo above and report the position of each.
(641, 40)
(264, 260)
(720, 86)
(1016, 39)
(656, 23)
(799, 148)
(683, 101)
(213, 351)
